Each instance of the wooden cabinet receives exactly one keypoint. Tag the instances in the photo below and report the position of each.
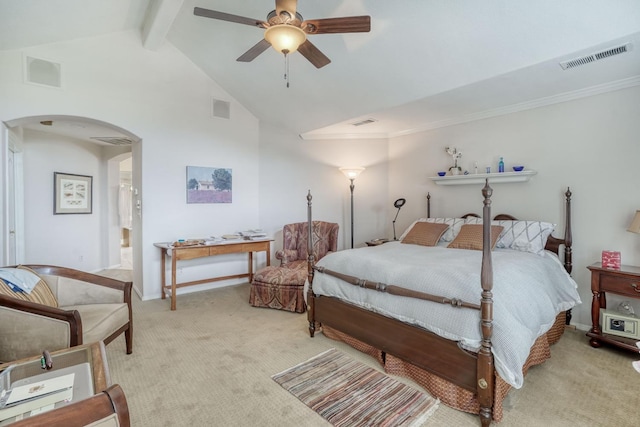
(624, 282)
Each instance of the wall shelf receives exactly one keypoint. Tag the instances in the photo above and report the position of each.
(494, 178)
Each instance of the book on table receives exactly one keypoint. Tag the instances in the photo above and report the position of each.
(36, 396)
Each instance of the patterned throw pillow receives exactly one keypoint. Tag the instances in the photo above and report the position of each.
(450, 234)
(470, 237)
(425, 233)
(40, 294)
(525, 236)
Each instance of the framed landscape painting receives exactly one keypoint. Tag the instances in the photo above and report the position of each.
(72, 193)
(209, 185)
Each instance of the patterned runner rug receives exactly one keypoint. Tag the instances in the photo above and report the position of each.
(347, 393)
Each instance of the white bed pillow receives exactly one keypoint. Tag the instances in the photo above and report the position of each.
(454, 227)
(525, 236)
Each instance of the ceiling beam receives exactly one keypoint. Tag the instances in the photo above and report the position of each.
(158, 22)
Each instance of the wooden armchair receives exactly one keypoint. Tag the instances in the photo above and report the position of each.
(106, 409)
(66, 308)
(282, 287)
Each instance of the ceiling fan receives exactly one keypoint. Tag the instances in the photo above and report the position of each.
(286, 31)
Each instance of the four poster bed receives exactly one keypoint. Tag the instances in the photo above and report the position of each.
(418, 308)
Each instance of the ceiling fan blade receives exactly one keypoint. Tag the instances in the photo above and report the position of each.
(256, 50)
(347, 24)
(313, 54)
(214, 14)
(287, 5)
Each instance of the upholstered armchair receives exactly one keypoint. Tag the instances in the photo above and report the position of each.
(66, 308)
(282, 287)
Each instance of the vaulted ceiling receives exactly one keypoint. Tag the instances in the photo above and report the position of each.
(424, 64)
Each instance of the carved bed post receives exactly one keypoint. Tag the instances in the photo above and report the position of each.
(428, 205)
(568, 253)
(485, 373)
(310, 260)
(568, 264)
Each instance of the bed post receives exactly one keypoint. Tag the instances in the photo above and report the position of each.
(568, 264)
(428, 205)
(310, 259)
(485, 373)
(568, 240)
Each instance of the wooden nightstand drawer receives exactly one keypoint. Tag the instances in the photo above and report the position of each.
(620, 285)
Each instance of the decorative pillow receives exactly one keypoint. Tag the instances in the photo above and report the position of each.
(470, 237)
(525, 236)
(40, 294)
(425, 233)
(450, 234)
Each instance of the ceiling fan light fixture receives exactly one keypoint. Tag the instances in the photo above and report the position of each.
(285, 38)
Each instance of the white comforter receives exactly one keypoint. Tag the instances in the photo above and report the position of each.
(529, 291)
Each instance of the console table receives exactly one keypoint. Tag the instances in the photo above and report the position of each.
(207, 250)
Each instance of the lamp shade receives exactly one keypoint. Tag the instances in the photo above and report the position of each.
(635, 224)
(285, 38)
(351, 173)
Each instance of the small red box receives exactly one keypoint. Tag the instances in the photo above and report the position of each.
(611, 259)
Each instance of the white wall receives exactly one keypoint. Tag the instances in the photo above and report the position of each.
(164, 99)
(67, 240)
(590, 144)
(289, 167)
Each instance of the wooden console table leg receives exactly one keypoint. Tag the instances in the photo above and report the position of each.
(173, 281)
(250, 266)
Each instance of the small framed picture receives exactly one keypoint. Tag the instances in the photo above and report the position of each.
(72, 193)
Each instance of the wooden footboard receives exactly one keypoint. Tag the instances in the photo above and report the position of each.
(404, 341)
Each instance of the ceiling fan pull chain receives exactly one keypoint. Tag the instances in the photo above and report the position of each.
(286, 68)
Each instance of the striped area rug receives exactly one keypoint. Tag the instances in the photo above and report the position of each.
(347, 393)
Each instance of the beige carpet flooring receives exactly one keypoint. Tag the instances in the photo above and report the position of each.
(210, 364)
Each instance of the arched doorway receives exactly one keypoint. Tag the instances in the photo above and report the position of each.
(105, 146)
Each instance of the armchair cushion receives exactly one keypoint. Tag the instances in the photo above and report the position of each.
(41, 293)
(100, 320)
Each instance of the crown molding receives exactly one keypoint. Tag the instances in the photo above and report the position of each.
(496, 112)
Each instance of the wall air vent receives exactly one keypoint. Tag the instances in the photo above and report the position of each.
(576, 62)
(364, 122)
(113, 140)
(221, 109)
(42, 72)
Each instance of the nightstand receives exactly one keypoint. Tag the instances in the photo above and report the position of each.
(625, 282)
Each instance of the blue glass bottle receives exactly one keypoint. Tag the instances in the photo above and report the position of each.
(501, 165)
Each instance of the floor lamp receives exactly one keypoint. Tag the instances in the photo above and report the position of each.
(352, 174)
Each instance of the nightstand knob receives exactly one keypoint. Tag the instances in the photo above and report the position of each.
(635, 287)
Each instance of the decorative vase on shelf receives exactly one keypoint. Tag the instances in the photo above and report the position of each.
(454, 171)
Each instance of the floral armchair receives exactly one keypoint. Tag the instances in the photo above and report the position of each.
(295, 236)
(282, 287)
